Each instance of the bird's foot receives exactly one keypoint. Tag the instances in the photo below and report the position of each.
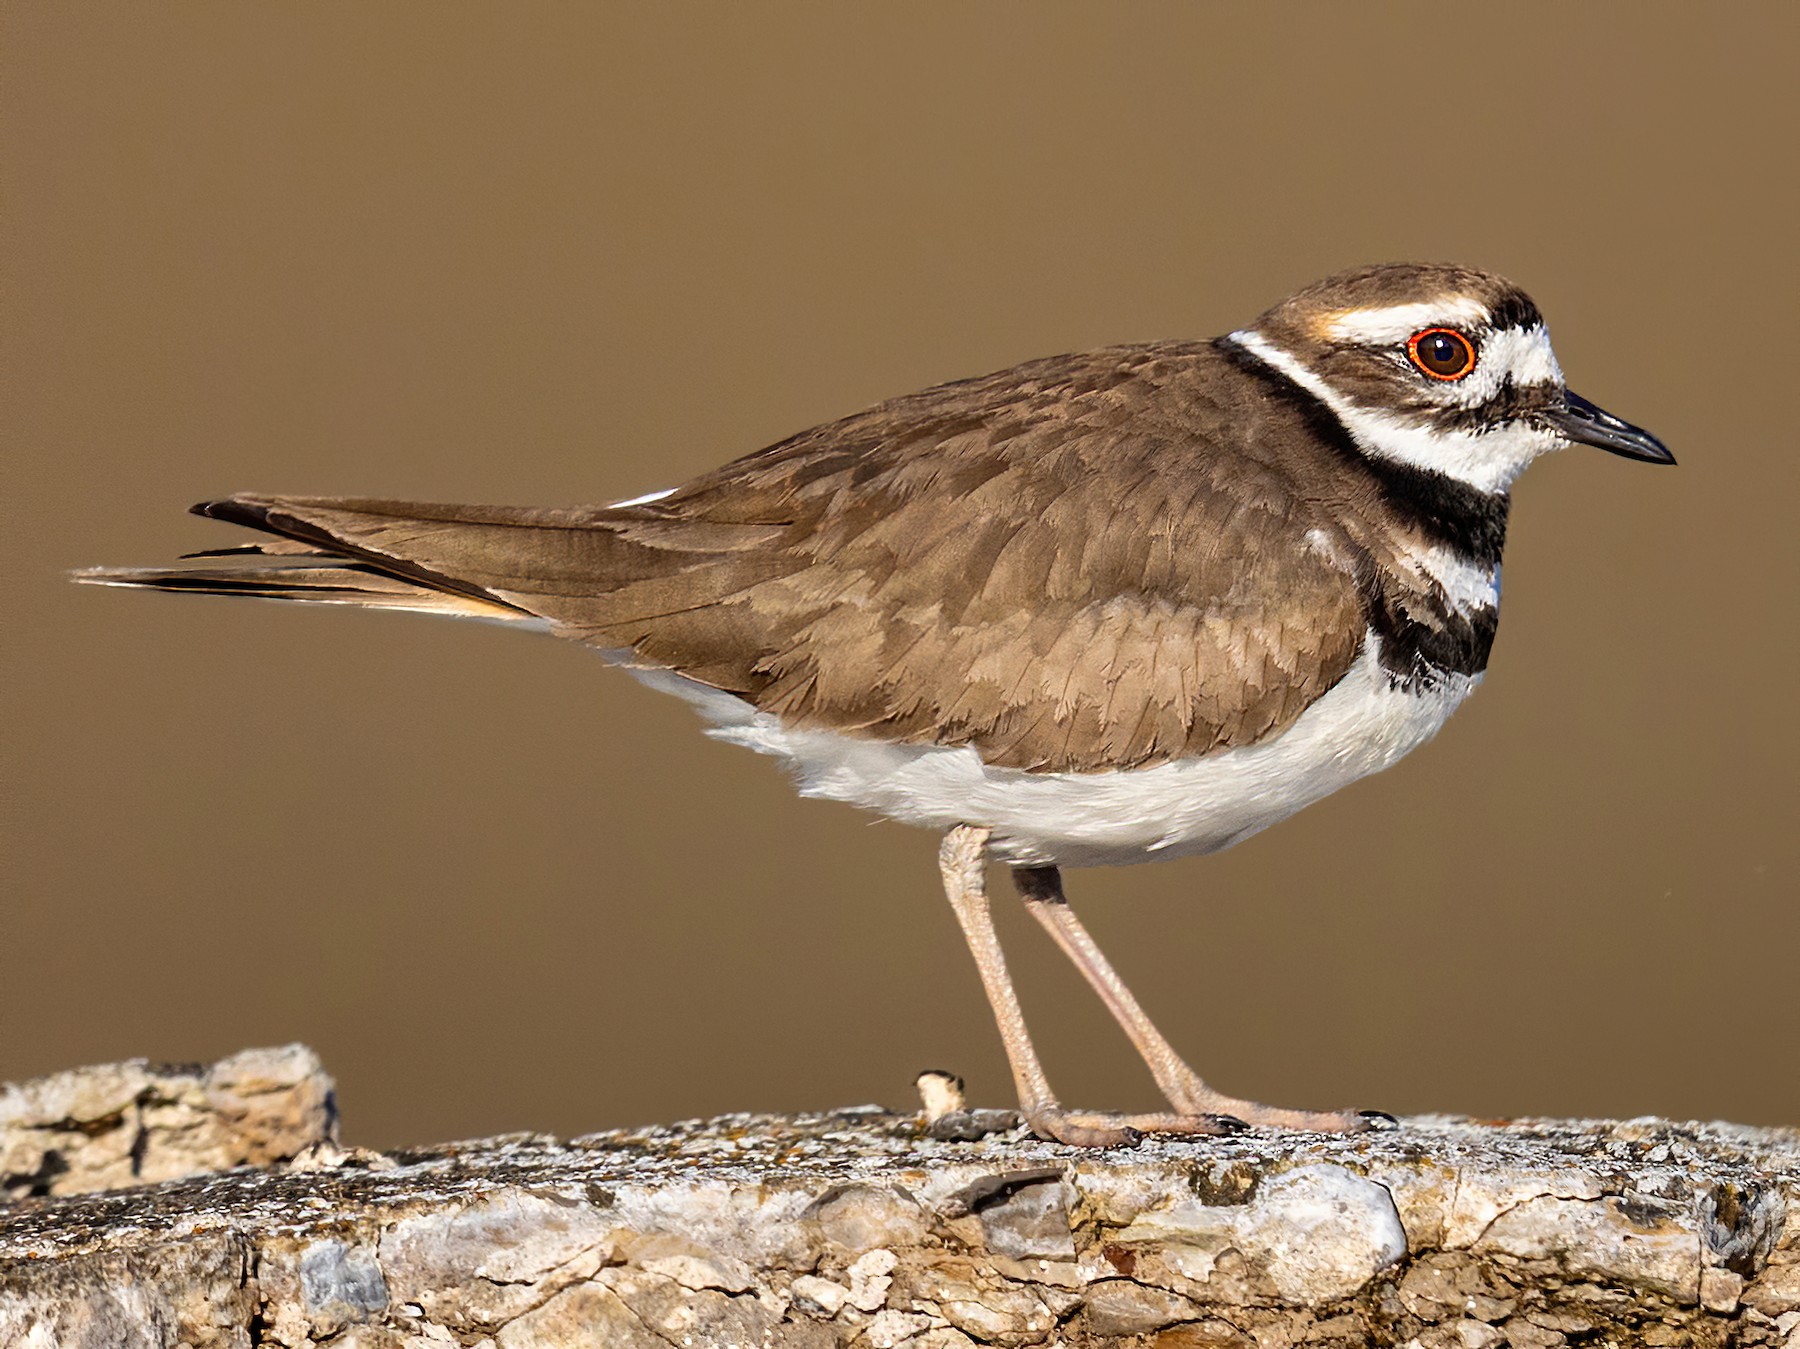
(1257, 1116)
(1086, 1129)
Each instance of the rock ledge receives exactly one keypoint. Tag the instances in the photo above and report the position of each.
(859, 1228)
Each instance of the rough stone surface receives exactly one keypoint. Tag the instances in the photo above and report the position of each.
(136, 1123)
(860, 1228)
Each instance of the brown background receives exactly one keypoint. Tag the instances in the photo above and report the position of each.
(560, 254)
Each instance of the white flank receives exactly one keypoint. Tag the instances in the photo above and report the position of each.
(644, 500)
(1189, 806)
(1488, 460)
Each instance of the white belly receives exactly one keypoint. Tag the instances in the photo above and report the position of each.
(1189, 806)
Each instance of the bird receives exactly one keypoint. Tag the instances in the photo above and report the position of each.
(1127, 604)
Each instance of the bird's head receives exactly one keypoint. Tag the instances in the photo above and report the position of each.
(1438, 367)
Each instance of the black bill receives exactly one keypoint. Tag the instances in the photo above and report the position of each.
(1584, 424)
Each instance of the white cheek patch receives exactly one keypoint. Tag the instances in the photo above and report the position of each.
(1488, 460)
(1397, 322)
(1522, 353)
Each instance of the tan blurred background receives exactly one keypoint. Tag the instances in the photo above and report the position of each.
(568, 253)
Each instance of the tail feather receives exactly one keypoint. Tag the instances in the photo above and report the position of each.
(286, 570)
(346, 529)
(266, 548)
(598, 573)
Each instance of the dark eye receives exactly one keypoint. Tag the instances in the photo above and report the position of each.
(1442, 353)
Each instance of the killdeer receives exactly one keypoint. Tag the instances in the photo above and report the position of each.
(1129, 604)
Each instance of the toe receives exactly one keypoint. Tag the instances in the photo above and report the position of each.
(1082, 1131)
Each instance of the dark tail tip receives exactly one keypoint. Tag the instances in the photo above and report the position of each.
(241, 509)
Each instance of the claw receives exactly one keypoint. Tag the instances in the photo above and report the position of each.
(1380, 1119)
(1229, 1124)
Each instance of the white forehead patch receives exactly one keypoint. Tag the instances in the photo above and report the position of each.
(1397, 322)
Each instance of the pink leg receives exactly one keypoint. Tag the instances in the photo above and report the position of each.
(961, 859)
(1041, 889)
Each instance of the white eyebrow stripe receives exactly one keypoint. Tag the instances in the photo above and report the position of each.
(644, 500)
(1397, 322)
(1488, 461)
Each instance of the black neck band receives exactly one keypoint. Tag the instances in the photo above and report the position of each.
(1465, 518)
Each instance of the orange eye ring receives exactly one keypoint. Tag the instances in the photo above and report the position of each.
(1441, 353)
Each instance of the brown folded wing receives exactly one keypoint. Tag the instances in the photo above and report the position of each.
(1057, 565)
